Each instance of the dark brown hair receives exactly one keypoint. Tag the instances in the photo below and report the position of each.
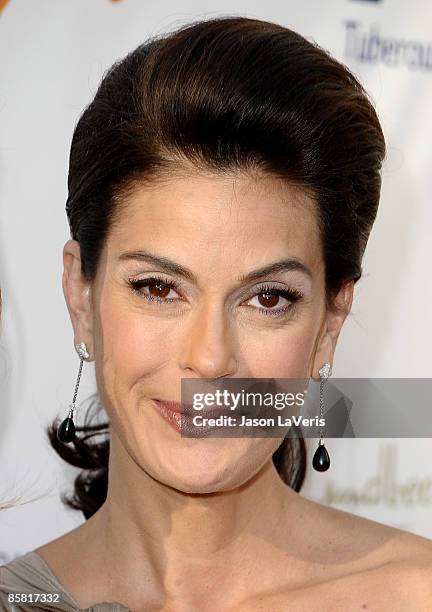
(224, 94)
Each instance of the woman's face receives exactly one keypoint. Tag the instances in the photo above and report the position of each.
(202, 320)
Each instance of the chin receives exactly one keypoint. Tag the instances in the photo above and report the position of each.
(205, 466)
(200, 485)
(202, 478)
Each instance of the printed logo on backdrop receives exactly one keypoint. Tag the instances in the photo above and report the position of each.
(367, 44)
(384, 487)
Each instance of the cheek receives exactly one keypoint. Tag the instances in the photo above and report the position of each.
(284, 353)
(132, 345)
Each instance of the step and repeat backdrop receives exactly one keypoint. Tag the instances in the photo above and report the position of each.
(53, 54)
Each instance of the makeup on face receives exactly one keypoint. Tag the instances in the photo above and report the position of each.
(275, 298)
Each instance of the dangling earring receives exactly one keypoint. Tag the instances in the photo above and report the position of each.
(66, 430)
(321, 458)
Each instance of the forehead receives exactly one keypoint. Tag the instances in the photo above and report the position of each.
(222, 217)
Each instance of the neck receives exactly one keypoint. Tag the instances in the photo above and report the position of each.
(173, 538)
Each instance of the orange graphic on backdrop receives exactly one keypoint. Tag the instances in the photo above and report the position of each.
(4, 2)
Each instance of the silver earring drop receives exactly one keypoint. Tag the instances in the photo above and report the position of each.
(321, 458)
(66, 430)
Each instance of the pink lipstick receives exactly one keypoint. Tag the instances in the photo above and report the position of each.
(180, 416)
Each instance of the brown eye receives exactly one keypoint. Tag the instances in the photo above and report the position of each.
(268, 300)
(159, 290)
(154, 289)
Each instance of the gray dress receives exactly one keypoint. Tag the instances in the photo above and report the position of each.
(31, 575)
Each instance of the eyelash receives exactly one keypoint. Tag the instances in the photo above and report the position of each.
(294, 295)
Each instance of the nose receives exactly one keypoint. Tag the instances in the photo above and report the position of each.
(208, 345)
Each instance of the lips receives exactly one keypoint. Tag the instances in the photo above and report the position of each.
(187, 410)
(174, 406)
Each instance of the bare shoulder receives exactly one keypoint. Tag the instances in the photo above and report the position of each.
(390, 543)
(69, 555)
(65, 546)
(387, 561)
(362, 535)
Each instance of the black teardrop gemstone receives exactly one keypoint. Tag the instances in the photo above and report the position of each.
(321, 459)
(66, 431)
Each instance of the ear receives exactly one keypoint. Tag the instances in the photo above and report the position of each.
(331, 327)
(77, 292)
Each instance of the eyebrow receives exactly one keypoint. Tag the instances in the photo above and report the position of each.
(168, 265)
